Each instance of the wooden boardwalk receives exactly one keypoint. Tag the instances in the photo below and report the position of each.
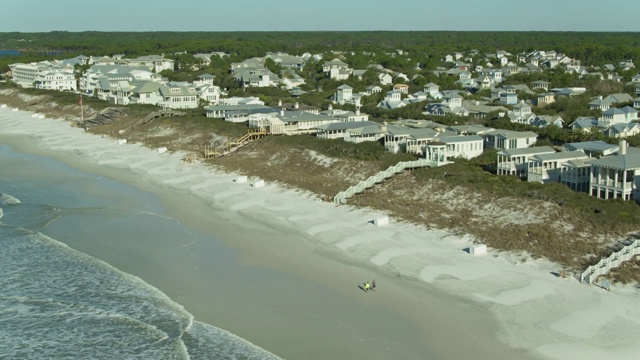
(341, 197)
(232, 146)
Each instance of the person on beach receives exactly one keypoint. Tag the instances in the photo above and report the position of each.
(373, 285)
(366, 286)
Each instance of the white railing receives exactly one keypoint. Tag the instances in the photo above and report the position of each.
(613, 261)
(342, 196)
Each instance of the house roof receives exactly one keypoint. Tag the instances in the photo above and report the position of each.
(243, 107)
(391, 104)
(416, 133)
(620, 128)
(599, 102)
(578, 163)
(303, 116)
(147, 87)
(420, 123)
(527, 151)
(335, 62)
(512, 134)
(540, 82)
(482, 108)
(346, 125)
(596, 145)
(549, 119)
(585, 122)
(366, 130)
(459, 138)
(619, 98)
(472, 129)
(562, 155)
(621, 162)
(613, 111)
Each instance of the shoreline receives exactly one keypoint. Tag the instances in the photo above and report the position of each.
(337, 248)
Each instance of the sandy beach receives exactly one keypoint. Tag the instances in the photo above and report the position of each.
(434, 300)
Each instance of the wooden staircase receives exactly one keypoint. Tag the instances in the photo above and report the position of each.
(232, 146)
(391, 171)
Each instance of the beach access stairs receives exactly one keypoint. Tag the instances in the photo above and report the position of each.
(235, 145)
(613, 261)
(341, 197)
(157, 114)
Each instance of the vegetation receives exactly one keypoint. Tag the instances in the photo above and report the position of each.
(422, 52)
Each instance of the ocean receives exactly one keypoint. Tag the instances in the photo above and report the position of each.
(58, 302)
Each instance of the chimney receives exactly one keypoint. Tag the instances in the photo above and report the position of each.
(297, 106)
(281, 112)
(330, 107)
(279, 102)
(622, 147)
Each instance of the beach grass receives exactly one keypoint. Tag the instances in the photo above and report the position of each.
(544, 221)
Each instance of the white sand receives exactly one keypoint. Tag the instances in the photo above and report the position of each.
(438, 292)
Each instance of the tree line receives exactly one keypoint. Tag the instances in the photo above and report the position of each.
(593, 48)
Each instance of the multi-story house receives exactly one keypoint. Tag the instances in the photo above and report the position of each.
(343, 94)
(26, 75)
(179, 96)
(540, 85)
(516, 161)
(354, 131)
(392, 100)
(545, 99)
(626, 114)
(462, 146)
(155, 63)
(55, 79)
(508, 139)
(622, 130)
(576, 175)
(546, 168)
(616, 177)
(593, 149)
(336, 69)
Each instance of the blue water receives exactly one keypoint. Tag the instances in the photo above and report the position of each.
(9, 52)
(57, 302)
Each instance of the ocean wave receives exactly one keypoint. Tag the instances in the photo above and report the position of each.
(206, 342)
(8, 199)
(34, 217)
(60, 303)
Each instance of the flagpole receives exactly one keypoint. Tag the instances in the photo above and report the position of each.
(81, 107)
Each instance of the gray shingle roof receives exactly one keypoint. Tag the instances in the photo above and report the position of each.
(346, 125)
(528, 151)
(562, 155)
(621, 162)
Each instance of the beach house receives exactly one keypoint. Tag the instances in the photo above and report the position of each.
(516, 161)
(616, 177)
(546, 168)
(508, 139)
